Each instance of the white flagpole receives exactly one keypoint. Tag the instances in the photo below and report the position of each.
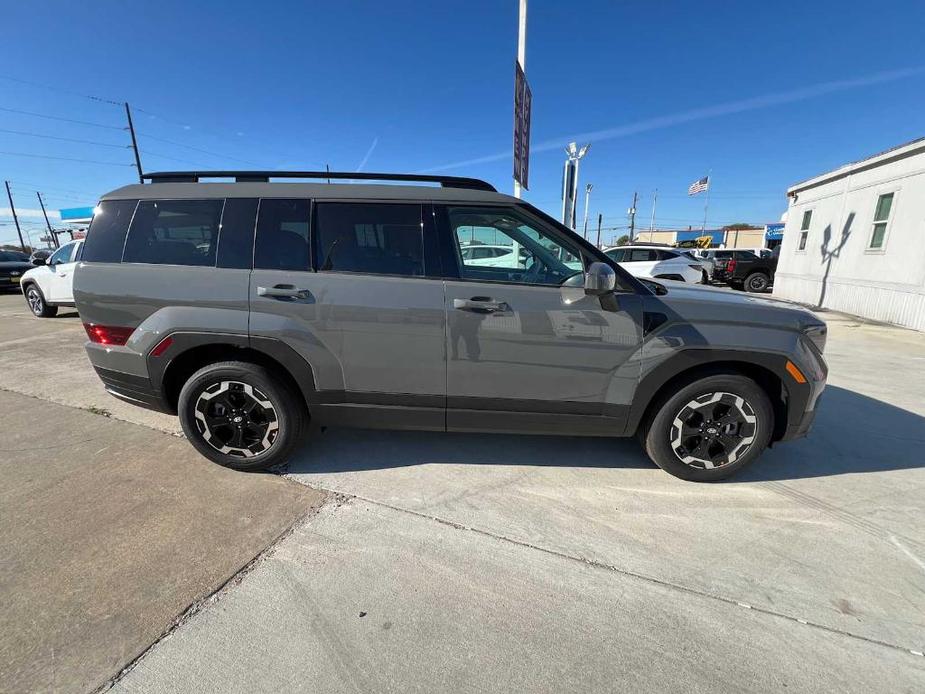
(706, 205)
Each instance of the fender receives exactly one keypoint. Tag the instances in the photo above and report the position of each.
(792, 400)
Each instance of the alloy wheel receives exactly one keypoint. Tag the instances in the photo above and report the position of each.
(713, 430)
(236, 419)
(35, 301)
(758, 283)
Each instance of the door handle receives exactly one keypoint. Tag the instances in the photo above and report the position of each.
(481, 304)
(284, 291)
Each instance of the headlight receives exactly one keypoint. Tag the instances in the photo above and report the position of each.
(817, 335)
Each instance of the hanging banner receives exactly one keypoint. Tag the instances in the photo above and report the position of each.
(523, 103)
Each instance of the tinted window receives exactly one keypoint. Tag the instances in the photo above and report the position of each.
(282, 235)
(236, 239)
(106, 235)
(174, 232)
(62, 255)
(666, 255)
(13, 257)
(616, 254)
(540, 257)
(375, 238)
(635, 255)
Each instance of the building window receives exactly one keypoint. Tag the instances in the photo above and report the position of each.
(881, 219)
(804, 228)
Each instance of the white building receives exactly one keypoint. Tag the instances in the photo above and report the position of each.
(854, 239)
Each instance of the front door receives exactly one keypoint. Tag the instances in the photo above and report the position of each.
(360, 303)
(528, 350)
(61, 266)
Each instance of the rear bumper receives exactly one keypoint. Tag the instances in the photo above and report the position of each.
(135, 390)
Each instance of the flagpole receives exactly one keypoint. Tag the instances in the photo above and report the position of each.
(706, 205)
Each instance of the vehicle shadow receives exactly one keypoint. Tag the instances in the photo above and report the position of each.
(351, 450)
(852, 434)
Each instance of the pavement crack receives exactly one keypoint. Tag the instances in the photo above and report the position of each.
(652, 580)
(216, 595)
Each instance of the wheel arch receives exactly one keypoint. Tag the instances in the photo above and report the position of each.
(190, 353)
(690, 366)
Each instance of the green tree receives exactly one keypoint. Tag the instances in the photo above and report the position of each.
(623, 240)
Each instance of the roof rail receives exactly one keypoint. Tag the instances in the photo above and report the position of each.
(265, 176)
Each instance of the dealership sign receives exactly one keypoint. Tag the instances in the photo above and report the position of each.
(523, 102)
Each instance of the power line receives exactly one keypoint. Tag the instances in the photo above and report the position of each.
(47, 156)
(59, 118)
(196, 149)
(164, 156)
(64, 139)
(91, 97)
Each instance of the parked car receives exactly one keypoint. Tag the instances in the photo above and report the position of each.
(40, 254)
(351, 304)
(492, 256)
(12, 266)
(658, 263)
(51, 283)
(742, 269)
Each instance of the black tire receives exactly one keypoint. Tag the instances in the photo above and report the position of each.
(220, 392)
(37, 304)
(703, 398)
(757, 282)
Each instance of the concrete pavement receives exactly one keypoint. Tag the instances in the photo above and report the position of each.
(367, 598)
(109, 532)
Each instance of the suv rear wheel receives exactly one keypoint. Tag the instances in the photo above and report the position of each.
(240, 415)
(710, 429)
(757, 282)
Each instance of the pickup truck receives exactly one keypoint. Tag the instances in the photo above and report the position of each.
(744, 270)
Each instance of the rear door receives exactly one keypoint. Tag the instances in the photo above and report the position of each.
(361, 299)
(527, 349)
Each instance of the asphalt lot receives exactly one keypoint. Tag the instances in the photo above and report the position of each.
(473, 563)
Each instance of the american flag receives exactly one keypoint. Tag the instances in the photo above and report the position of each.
(699, 186)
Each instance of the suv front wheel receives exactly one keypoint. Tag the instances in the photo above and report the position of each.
(710, 429)
(240, 415)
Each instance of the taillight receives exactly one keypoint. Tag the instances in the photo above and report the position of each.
(730, 266)
(108, 334)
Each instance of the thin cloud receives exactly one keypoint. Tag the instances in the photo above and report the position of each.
(27, 213)
(704, 113)
(369, 153)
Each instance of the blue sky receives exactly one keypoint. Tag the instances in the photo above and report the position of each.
(764, 94)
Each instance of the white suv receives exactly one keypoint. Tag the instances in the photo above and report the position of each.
(51, 284)
(658, 263)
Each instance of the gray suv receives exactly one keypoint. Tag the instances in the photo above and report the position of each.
(249, 306)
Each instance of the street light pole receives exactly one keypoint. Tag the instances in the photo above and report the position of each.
(588, 188)
(522, 59)
(570, 182)
(632, 213)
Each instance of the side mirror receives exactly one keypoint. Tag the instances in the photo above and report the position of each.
(39, 261)
(600, 279)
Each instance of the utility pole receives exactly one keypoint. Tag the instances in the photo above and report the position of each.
(587, 200)
(600, 219)
(15, 218)
(632, 214)
(51, 232)
(131, 129)
(654, 203)
(522, 59)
